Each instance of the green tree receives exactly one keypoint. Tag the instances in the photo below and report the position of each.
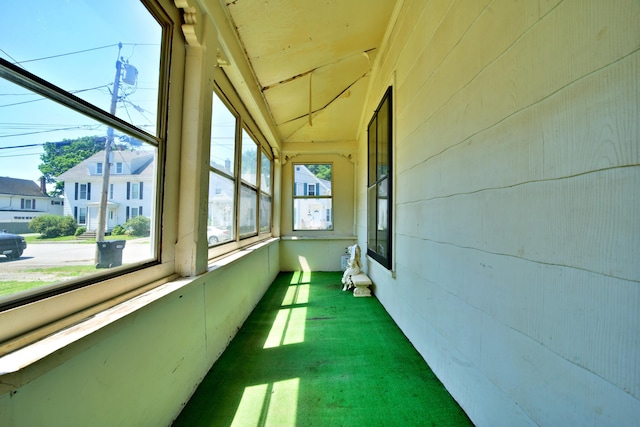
(61, 156)
(321, 171)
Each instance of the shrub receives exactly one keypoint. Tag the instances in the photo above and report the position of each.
(53, 225)
(118, 230)
(79, 231)
(139, 226)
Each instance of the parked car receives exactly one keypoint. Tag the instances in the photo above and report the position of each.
(12, 245)
(215, 235)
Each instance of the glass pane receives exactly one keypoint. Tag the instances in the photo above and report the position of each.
(312, 214)
(223, 137)
(265, 213)
(248, 202)
(50, 154)
(107, 53)
(383, 140)
(373, 153)
(249, 158)
(372, 223)
(221, 209)
(265, 178)
(383, 219)
(312, 180)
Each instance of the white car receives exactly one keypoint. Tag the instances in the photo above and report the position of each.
(216, 235)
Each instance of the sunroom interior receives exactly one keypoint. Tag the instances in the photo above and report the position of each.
(484, 155)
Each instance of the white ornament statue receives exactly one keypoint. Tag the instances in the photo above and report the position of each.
(353, 267)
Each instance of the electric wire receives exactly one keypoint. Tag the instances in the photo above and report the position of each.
(76, 52)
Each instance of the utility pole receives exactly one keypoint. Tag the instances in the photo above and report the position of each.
(102, 214)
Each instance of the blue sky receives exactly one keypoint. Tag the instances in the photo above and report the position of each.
(74, 45)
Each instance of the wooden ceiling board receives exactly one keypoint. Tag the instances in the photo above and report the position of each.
(334, 40)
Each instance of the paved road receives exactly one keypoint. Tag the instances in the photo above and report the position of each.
(45, 255)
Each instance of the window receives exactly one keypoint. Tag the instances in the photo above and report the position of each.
(84, 192)
(109, 96)
(239, 204)
(248, 191)
(265, 194)
(134, 190)
(28, 204)
(221, 203)
(82, 216)
(379, 200)
(312, 197)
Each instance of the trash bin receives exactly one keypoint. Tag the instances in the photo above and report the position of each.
(110, 253)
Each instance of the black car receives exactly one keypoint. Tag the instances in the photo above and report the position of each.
(12, 245)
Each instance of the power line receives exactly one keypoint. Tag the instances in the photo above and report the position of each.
(77, 51)
(37, 145)
(43, 98)
(20, 155)
(45, 131)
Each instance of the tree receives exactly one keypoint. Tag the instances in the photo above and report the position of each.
(61, 156)
(321, 171)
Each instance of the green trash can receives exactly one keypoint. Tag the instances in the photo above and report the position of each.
(110, 253)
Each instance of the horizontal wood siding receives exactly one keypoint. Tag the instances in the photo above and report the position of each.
(517, 204)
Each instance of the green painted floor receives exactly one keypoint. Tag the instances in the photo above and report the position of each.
(312, 355)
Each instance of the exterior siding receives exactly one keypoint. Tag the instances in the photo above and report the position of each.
(122, 200)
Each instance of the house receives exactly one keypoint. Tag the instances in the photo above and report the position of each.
(484, 157)
(131, 191)
(21, 200)
(311, 210)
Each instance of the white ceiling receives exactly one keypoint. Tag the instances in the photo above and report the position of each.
(312, 56)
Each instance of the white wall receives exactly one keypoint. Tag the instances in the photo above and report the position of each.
(318, 250)
(517, 170)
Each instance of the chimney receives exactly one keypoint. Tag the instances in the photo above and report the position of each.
(227, 165)
(43, 185)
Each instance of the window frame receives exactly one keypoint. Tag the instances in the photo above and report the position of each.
(308, 196)
(376, 181)
(66, 298)
(244, 124)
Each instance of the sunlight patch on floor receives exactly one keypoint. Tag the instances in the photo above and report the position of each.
(287, 328)
(289, 324)
(272, 404)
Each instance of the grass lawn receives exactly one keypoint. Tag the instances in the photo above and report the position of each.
(49, 275)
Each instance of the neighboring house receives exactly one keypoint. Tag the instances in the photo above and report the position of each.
(21, 200)
(311, 213)
(130, 188)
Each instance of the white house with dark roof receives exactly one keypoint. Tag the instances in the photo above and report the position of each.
(21, 200)
(130, 188)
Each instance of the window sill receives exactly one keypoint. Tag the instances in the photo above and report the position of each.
(232, 257)
(13, 365)
(293, 238)
(32, 360)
